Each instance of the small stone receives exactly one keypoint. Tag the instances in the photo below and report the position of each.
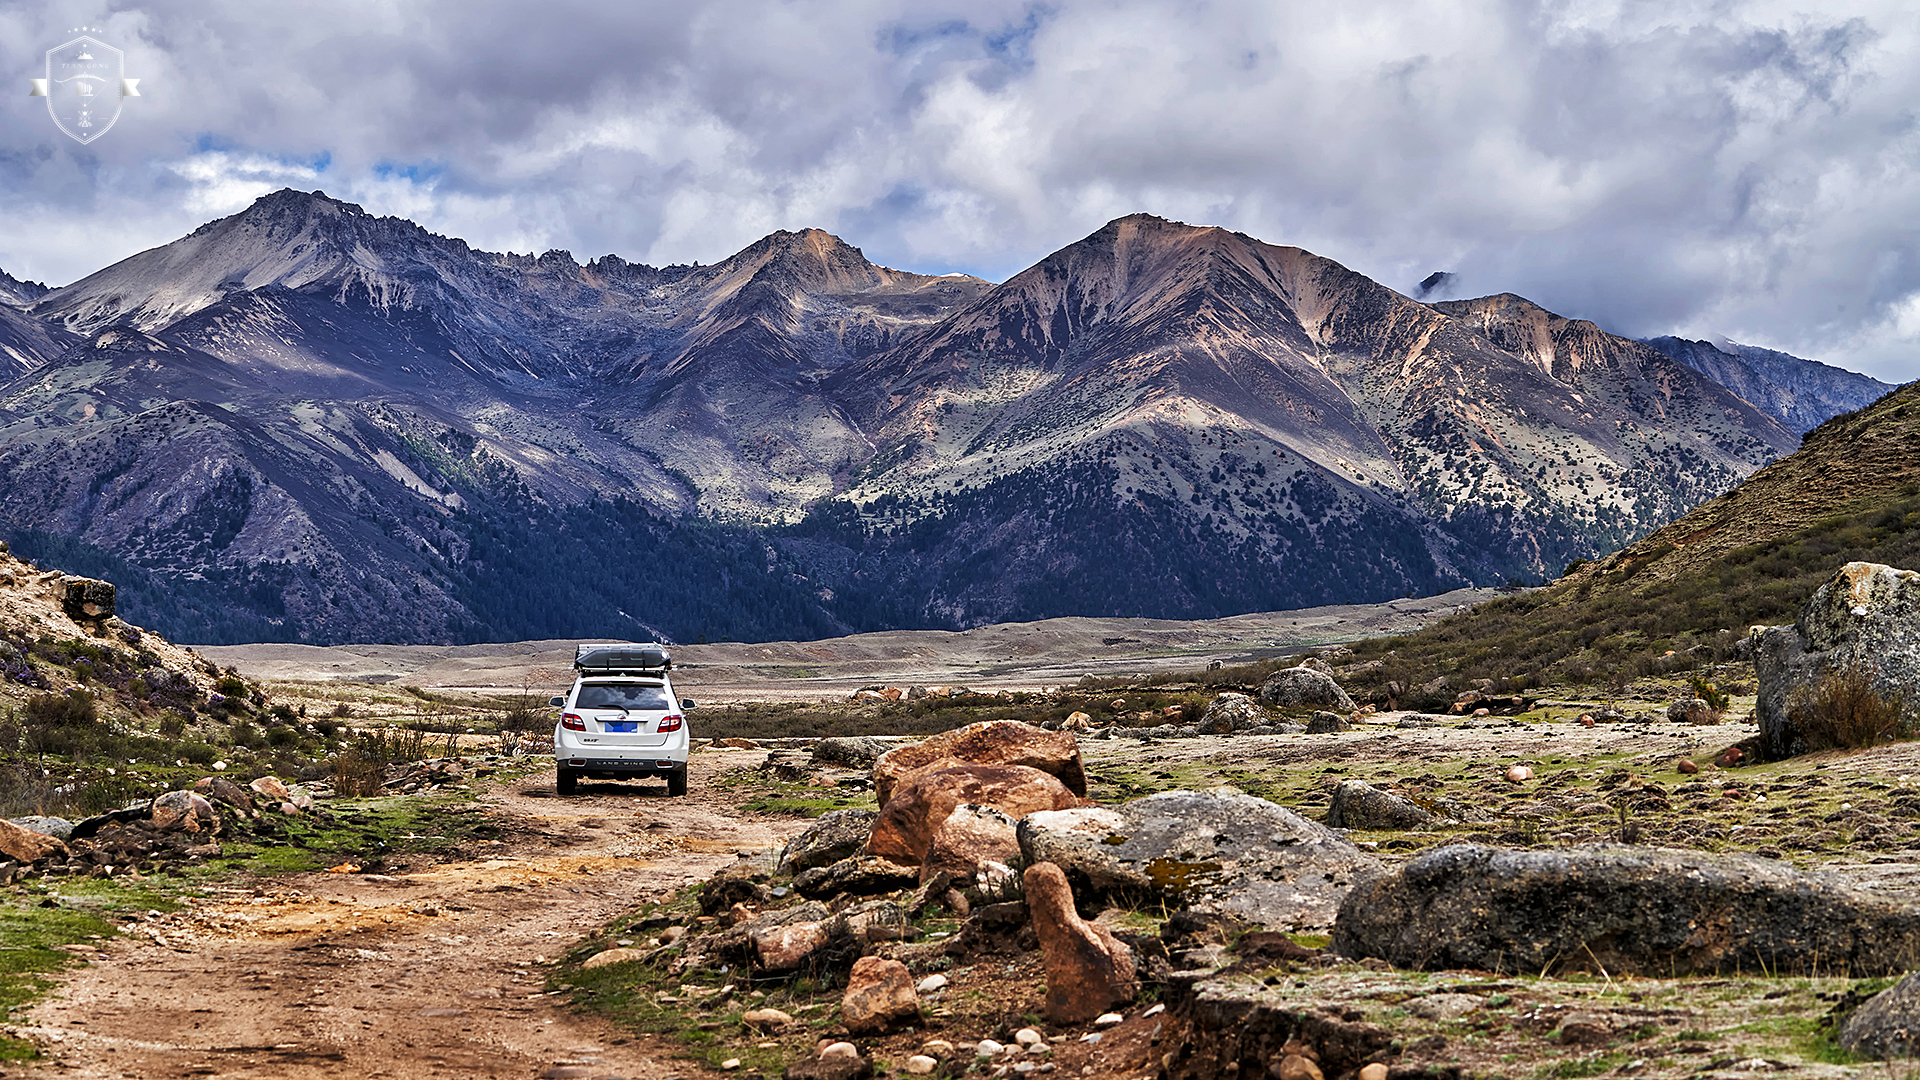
(611, 956)
(1107, 1019)
(1153, 1012)
(921, 1064)
(766, 1018)
(1519, 774)
(730, 1064)
(1090, 1037)
(1373, 1070)
(839, 1050)
(1028, 1037)
(1687, 766)
(987, 1048)
(1585, 721)
(939, 1048)
(931, 983)
(1299, 1067)
(879, 994)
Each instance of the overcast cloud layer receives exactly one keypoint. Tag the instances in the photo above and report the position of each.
(1743, 169)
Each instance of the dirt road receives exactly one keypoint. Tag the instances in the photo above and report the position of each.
(433, 972)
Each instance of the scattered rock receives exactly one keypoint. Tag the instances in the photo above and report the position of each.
(272, 787)
(1298, 687)
(835, 835)
(1611, 908)
(1867, 616)
(921, 1064)
(1298, 1067)
(1687, 766)
(1359, 805)
(992, 742)
(1887, 1025)
(1519, 774)
(1445, 1006)
(834, 1063)
(1219, 851)
(786, 947)
(86, 598)
(879, 995)
(904, 830)
(1088, 969)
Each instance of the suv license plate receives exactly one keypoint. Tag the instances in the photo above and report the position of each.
(618, 726)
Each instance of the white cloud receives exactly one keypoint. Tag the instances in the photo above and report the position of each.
(1746, 168)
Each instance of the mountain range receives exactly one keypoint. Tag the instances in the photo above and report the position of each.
(304, 422)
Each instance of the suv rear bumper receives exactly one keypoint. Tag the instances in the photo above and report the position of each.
(613, 768)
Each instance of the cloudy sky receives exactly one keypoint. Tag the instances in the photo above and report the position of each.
(1743, 169)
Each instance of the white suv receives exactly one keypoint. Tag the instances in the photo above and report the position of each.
(620, 720)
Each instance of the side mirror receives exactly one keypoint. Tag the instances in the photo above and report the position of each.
(557, 702)
(686, 703)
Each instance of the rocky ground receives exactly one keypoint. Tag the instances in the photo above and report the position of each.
(467, 956)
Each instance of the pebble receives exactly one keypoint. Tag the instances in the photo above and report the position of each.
(730, 1063)
(1028, 1037)
(937, 1048)
(920, 1064)
(1090, 1037)
(1155, 1011)
(839, 1050)
(1373, 1071)
(987, 1048)
(1299, 1067)
(1519, 774)
(1039, 1048)
(1107, 1019)
(931, 983)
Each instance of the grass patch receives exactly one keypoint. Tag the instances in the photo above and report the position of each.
(374, 833)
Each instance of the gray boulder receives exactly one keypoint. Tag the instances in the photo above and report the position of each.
(1690, 711)
(1359, 805)
(1229, 712)
(1888, 1025)
(1303, 687)
(1867, 616)
(852, 752)
(835, 835)
(1219, 852)
(1625, 910)
(57, 827)
(1326, 723)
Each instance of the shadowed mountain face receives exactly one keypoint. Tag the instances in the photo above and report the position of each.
(1801, 394)
(310, 423)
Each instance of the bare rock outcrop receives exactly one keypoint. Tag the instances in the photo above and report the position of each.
(904, 830)
(992, 742)
(1088, 969)
(1231, 712)
(1888, 1025)
(1866, 618)
(1357, 804)
(26, 845)
(1631, 910)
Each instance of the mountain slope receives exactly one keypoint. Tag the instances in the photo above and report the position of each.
(1683, 597)
(1799, 393)
(1266, 392)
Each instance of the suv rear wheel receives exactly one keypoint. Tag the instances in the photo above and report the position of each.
(565, 781)
(677, 781)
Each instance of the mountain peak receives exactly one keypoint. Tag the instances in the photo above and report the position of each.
(19, 293)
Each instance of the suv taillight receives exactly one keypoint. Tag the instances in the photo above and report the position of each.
(572, 721)
(671, 722)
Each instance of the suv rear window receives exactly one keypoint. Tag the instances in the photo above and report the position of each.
(621, 696)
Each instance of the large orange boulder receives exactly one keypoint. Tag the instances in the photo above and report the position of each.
(991, 742)
(907, 823)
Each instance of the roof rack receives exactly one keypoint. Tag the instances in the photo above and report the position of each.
(622, 656)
